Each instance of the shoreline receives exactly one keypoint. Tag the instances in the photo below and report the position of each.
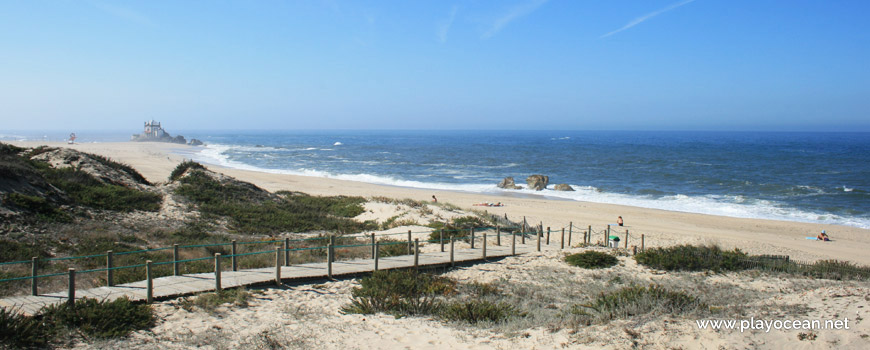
(661, 227)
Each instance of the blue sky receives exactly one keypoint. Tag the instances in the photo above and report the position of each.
(525, 64)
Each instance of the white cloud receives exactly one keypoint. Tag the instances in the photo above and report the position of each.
(444, 26)
(647, 16)
(512, 15)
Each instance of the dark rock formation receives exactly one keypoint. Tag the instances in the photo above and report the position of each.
(508, 184)
(195, 142)
(538, 182)
(563, 187)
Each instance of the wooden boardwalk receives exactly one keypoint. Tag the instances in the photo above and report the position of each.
(175, 286)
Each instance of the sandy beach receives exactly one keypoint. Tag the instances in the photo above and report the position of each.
(660, 228)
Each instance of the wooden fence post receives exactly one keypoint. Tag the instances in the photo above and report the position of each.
(523, 233)
(235, 262)
(278, 266)
(286, 251)
(484, 246)
(377, 254)
(452, 262)
(570, 232)
(175, 270)
(642, 247)
(539, 238)
(563, 238)
(110, 272)
(513, 243)
(374, 246)
(441, 236)
(472, 237)
(548, 235)
(634, 250)
(217, 272)
(33, 267)
(497, 235)
(410, 242)
(589, 236)
(71, 287)
(329, 258)
(607, 236)
(149, 294)
(626, 239)
(416, 253)
(331, 254)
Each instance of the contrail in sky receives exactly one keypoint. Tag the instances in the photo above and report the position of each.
(645, 17)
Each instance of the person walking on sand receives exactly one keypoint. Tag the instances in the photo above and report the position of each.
(434, 200)
(619, 221)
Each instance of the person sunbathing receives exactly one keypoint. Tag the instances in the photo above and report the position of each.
(823, 236)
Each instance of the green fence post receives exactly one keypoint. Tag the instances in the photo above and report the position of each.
(33, 274)
(149, 294)
(235, 263)
(110, 275)
(175, 270)
(217, 272)
(71, 287)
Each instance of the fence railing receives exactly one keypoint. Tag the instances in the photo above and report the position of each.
(174, 260)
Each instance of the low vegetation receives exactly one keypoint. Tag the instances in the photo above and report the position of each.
(408, 293)
(400, 293)
(712, 258)
(639, 300)
(88, 318)
(476, 311)
(209, 302)
(251, 210)
(591, 259)
(692, 258)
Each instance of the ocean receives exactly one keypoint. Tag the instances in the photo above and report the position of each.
(806, 177)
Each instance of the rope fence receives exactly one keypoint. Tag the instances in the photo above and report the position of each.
(477, 237)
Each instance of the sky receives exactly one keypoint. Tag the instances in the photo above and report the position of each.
(436, 65)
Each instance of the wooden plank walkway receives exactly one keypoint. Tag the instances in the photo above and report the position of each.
(176, 286)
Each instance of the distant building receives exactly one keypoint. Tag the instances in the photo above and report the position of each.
(153, 130)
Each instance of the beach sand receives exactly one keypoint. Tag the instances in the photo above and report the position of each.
(307, 315)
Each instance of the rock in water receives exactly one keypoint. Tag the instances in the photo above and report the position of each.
(195, 142)
(563, 187)
(508, 183)
(538, 182)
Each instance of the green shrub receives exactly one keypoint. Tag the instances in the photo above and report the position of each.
(100, 319)
(7, 149)
(639, 300)
(253, 210)
(341, 206)
(477, 289)
(692, 258)
(591, 259)
(474, 311)
(835, 269)
(38, 206)
(86, 190)
(18, 251)
(467, 222)
(210, 301)
(122, 168)
(21, 332)
(183, 167)
(400, 293)
(392, 247)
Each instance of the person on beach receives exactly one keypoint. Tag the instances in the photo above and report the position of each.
(619, 221)
(434, 200)
(823, 236)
